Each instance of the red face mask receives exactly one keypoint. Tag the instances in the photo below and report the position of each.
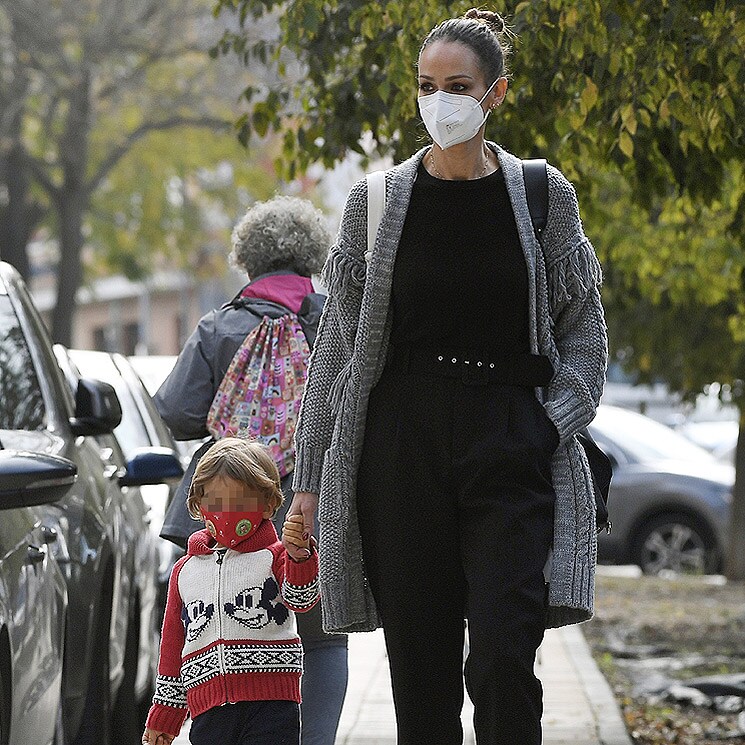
(230, 528)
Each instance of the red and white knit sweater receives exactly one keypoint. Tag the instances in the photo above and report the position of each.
(229, 630)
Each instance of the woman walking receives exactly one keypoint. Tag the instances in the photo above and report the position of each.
(454, 364)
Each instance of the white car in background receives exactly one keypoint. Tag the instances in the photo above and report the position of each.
(141, 431)
(153, 369)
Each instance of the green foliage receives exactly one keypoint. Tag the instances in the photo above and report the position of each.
(653, 88)
(171, 196)
(673, 281)
(89, 91)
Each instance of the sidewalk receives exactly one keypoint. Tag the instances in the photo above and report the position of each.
(579, 707)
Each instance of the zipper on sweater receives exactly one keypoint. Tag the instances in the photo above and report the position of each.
(219, 558)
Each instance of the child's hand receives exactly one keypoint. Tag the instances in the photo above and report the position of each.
(295, 538)
(153, 737)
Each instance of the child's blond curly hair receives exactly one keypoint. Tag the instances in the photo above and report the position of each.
(247, 461)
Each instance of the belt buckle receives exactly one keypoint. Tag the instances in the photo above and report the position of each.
(474, 372)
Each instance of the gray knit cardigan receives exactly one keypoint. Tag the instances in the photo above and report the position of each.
(566, 323)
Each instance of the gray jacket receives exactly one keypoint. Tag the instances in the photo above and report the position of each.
(566, 324)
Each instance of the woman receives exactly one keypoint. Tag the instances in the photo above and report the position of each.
(451, 372)
(279, 243)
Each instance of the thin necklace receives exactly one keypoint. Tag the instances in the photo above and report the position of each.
(440, 176)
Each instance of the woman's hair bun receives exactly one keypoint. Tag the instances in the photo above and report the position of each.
(493, 20)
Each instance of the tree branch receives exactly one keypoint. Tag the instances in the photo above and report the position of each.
(133, 137)
(36, 166)
(141, 68)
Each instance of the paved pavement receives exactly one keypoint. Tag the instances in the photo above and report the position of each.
(579, 707)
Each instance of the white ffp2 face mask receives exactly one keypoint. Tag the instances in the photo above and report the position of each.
(452, 118)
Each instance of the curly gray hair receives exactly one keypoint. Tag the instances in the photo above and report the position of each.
(281, 233)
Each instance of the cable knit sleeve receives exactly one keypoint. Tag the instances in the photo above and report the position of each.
(169, 709)
(328, 371)
(574, 278)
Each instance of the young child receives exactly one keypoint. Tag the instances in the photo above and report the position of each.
(229, 633)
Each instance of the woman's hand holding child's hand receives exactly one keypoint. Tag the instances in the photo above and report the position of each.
(296, 538)
(153, 737)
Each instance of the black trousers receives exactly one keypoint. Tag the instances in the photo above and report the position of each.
(455, 508)
(248, 723)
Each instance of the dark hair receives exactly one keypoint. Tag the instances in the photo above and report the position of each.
(481, 31)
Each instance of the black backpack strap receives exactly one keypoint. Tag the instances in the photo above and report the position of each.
(535, 177)
(536, 190)
(310, 314)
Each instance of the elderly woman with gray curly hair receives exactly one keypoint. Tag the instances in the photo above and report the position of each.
(279, 243)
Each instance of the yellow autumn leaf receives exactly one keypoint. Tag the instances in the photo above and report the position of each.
(589, 94)
(626, 144)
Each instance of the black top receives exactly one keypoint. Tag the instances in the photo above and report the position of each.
(460, 281)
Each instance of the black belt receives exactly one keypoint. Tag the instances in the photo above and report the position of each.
(529, 370)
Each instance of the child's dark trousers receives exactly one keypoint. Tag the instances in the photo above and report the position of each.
(455, 506)
(248, 723)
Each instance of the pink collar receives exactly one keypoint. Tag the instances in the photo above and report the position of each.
(286, 289)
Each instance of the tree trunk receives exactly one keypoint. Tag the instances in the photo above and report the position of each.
(70, 210)
(734, 563)
(71, 202)
(19, 216)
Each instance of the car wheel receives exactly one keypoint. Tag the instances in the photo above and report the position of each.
(674, 542)
(95, 727)
(126, 716)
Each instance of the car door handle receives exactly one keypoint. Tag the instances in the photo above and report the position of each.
(36, 554)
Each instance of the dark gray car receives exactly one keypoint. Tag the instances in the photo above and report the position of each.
(141, 430)
(669, 499)
(97, 532)
(33, 594)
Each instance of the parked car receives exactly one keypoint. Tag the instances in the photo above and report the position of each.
(669, 499)
(33, 594)
(141, 431)
(103, 545)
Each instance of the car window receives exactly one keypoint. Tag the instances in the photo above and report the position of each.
(21, 400)
(131, 432)
(159, 432)
(643, 439)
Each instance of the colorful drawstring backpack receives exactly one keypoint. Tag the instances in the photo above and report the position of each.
(260, 395)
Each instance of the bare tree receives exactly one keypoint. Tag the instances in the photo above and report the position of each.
(85, 80)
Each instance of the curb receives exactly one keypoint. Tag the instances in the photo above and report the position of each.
(611, 727)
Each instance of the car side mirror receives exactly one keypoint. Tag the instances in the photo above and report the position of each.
(28, 479)
(97, 408)
(152, 466)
